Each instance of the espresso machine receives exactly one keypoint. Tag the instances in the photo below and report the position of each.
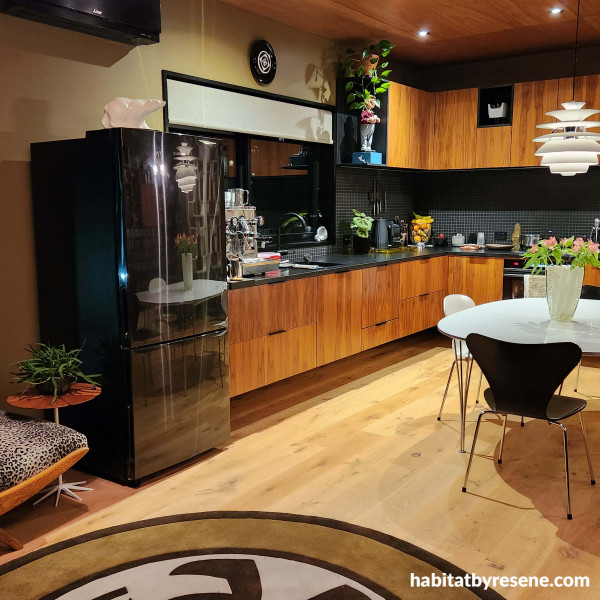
(244, 240)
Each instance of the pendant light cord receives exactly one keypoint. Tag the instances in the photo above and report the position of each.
(576, 46)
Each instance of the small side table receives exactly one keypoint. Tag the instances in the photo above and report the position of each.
(77, 394)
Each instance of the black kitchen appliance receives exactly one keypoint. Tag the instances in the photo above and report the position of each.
(107, 212)
(134, 22)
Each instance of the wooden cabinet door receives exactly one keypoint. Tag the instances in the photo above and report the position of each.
(380, 294)
(410, 127)
(379, 334)
(416, 277)
(339, 315)
(263, 309)
(455, 129)
(260, 361)
(587, 89)
(532, 100)
(592, 276)
(477, 277)
(419, 313)
(493, 147)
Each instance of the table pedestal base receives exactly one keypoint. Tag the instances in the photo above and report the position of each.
(61, 487)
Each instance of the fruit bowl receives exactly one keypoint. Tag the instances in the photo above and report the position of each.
(420, 230)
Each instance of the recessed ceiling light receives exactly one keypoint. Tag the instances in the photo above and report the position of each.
(423, 33)
(556, 10)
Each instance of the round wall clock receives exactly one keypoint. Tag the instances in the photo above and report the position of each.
(263, 63)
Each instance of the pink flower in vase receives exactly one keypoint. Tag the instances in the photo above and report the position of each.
(534, 248)
(578, 244)
(593, 247)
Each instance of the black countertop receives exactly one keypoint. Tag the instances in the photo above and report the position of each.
(349, 262)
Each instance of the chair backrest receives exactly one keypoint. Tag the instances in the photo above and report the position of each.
(523, 377)
(456, 302)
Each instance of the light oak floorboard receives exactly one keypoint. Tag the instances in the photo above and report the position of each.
(369, 450)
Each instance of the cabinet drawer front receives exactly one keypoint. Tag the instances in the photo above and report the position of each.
(380, 294)
(417, 277)
(260, 361)
(477, 277)
(422, 312)
(259, 310)
(379, 334)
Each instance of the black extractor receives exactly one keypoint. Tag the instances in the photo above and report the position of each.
(134, 22)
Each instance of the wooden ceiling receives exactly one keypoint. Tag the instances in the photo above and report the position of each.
(460, 30)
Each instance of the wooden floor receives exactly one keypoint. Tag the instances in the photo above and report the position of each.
(358, 441)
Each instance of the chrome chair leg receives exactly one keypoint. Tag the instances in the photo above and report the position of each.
(522, 422)
(502, 441)
(479, 387)
(577, 377)
(587, 449)
(483, 412)
(564, 429)
(446, 390)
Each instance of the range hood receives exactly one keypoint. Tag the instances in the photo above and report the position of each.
(134, 22)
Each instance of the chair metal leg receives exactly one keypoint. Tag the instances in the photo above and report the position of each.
(446, 390)
(564, 429)
(479, 387)
(577, 377)
(483, 412)
(502, 441)
(587, 449)
(522, 422)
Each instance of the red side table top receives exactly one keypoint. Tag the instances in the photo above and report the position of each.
(77, 394)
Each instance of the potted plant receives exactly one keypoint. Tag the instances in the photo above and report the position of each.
(564, 263)
(365, 84)
(187, 246)
(51, 369)
(362, 225)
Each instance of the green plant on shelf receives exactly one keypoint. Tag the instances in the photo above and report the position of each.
(51, 369)
(361, 223)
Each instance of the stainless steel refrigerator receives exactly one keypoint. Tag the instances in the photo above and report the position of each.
(108, 210)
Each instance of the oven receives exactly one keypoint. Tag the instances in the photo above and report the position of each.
(513, 281)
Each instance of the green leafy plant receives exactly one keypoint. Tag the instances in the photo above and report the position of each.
(51, 365)
(367, 75)
(569, 251)
(361, 223)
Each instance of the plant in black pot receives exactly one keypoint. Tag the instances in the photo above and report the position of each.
(51, 370)
(362, 226)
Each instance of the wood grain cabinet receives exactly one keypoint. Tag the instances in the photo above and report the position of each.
(477, 277)
(493, 147)
(410, 127)
(263, 309)
(455, 129)
(380, 294)
(532, 100)
(420, 312)
(417, 277)
(339, 315)
(592, 276)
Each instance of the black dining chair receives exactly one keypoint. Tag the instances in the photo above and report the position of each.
(531, 395)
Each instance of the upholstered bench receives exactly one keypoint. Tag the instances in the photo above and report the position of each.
(32, 454)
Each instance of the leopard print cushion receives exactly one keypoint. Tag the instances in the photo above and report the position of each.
(28, 447)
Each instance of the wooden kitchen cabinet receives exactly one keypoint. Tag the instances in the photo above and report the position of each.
(477, 277)
(587, 89)
(455, 128)
(382, 333)
(417, 277)
(532, 100)
(263, 360)
(420, 312)
(263, 309)
(592, 276)
(380, 294)
(410, 127)
(493, 147)
(339, 315)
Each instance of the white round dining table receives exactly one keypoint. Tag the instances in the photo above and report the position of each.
(522, 321)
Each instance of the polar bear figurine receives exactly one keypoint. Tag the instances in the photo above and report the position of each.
(125, 112)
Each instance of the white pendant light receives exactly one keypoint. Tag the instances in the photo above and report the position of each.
(570, 148)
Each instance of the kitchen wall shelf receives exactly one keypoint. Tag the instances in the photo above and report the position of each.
(495, 106)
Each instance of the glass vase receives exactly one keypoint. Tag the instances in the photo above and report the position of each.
(563, 289)
(187, 266)
(366, 136)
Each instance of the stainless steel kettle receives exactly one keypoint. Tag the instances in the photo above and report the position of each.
(380, 238)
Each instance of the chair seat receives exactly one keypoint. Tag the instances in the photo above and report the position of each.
(559, 408)
(29, 446)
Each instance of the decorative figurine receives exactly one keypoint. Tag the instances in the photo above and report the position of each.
(516, 237)
(125, 112)
(368, 120)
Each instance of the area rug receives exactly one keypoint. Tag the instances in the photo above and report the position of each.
(232, 556)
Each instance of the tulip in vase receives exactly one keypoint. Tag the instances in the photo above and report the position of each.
(187, 247)
(564, 263)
